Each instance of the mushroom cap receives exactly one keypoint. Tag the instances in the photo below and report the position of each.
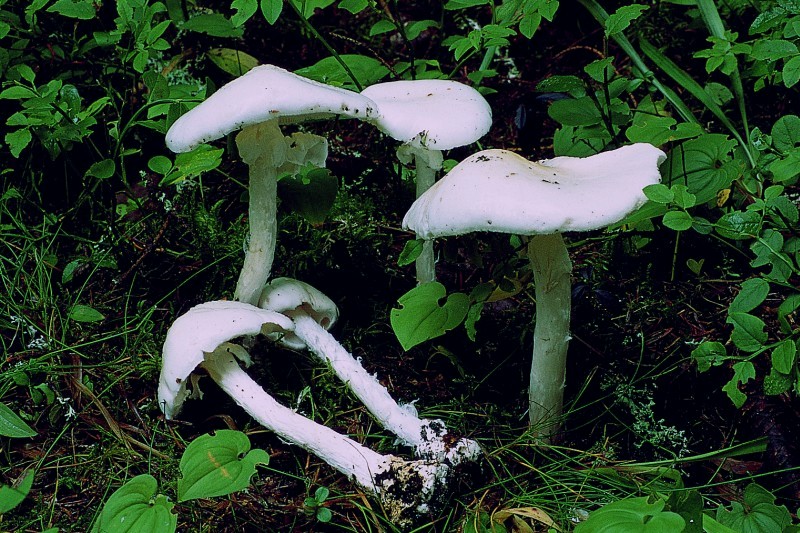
(291, 297)
(201, 330)
(264, 93)
(500, 191)
(432, 114)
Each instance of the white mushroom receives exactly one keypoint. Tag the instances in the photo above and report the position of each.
(429, 116)
(408, 490)
(499, 191)
(313, 314)
(256, 103)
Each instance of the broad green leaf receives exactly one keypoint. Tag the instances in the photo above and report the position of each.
(84, 313)
(75, 9)
(160, 164)
(12, 425)
(463, 4)
(658, 130)
(410, 252)
(234, 62)
(414, 29)
(773, 49)
(17, 140)
(632, 515)
(271, 9)
(575, 112)
(309, 7)
(367, 70)
(381, 27)
(102, 169)
(218, 464)
(354, 6)
(682, 197)
(10, 497)
(753, 292)
(202, 159)
(562, 84)
(784, 356)
(739, 225)
(748, 331)
(776, 383)
(659, 193)
(17, 92)
(704, 165)
(786, 133)
(791, 72)
(759, 514)
(135, 508)
(529, 24)
(677, 220)
(213, 24)
(311, 194)
(427, 312)
(622, 18)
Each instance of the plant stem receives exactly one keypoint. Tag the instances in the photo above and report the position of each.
(551, 267)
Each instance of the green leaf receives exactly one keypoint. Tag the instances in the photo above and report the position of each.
(659, 193)
(677, 220)
(218, 464)
(703, 164)
(202, 159)
(414, 29)
(367, 70)
(529, 24)
(311, 193)
(17, 92)
(425, 314)
(160, 164)
(776, 383)
(632, 515)
(758, 515)
(786, 133)
(12, 425)
(234, 62)
(354, 6)
(10, 497)
(463, 4)
(271, 9)
(213, 24)
(562, 84)
(244, 10)
(752, 294)
(773, 49)
(748, 331)
(791, 72)
(743, 372)
(411, 251)
(102, 169)
(84, 313)
(309, 7)
(135, 508)
(17, 140)
(575, 112)
(76, 9)
(784, 356)
(708, 354)
(622, 18)
(381, 27)
(739, 225)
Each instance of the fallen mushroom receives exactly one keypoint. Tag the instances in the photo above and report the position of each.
(256, 103)
(499, 191)
(408, 490)
(313, 314)
(429, 116)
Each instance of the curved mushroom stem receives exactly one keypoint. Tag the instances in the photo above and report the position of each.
(427, 437)
(551, 267)
(408, 490)
(263, 148)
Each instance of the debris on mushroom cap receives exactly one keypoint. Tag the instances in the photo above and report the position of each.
(433, 114)
(202, 329)
(290, 296)
(500, 191)
(264, 93)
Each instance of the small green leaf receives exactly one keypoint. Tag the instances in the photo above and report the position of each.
(367, 70)
(244, 10)
(17, 140)
(84, 313)
(354, 6)
(677, 220)
(791, 72)
(708, 354)
(76, 9)
(411, 252)
(311, 193)
(424, 315)
(659, 193)
(271, 9)
(102, 169)
(414, 29)
(748, 331)
(753, 292)
(10, 497)
(744, 371)
(784, 356)
(160, 164)
(575, 112)
(786, 133)
(622, 18)
(218, 464)
(12, 425)
(213, 24)
(135, 508)
(381, 27)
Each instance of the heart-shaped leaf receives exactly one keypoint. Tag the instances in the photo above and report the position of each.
(426, 314)
(218, 464)
(135, 508)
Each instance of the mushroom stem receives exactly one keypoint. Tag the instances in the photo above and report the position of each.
(551, 267)
(342, 453)
(425, 176)
(263, 148)
(430, 439)
(408, 490)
